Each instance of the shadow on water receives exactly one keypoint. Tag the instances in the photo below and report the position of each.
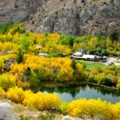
(85, 91)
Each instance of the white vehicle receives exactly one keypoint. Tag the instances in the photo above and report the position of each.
(42, 54)
(76, 55)
(80, 56)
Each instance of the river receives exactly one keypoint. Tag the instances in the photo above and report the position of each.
(71, 93)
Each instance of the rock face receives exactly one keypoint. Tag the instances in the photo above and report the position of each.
(6, 112)
(76, 17)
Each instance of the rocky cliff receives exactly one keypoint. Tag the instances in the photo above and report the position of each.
(77, 17)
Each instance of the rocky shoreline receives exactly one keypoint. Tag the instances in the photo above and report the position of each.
(8, 112)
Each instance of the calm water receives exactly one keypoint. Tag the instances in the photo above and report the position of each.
(72, 93)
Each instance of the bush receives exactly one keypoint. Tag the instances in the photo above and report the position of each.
(98, 51)
(7, 81)
(91, 79)
(1, 65)
(104, 52)
(4, 28)
(63, 107)
(91, 108)
(16, 28)
(118, 86)
(54, 55)
(79, 73)
(41, 101)
(16, 94)
(92, 51)
(2, 92)
(24, 85)
(67, 40)
(106, 81)
(20, 55)
(114, 36)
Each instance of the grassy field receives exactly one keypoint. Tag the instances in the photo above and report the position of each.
(91, 65)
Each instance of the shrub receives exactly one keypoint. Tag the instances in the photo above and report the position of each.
(22, 84)
(79, 73)
(1, 65)
(2, 92)
(7, 80)
(41, 101)
(104, 52)
(92, 51)
(63, 107)
(16, 28)
(16, 94)
(118, 86)
(114, 36)
(20, 55)
(91, 79)
(67, 40)
(106, 81)
(4, 28)
(54, 55)
(116, 111)
(91, 108)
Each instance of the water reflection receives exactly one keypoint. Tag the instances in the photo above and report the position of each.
(84, 91)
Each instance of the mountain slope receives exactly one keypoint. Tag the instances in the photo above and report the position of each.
(77, 17)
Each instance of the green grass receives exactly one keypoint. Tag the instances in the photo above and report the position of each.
(91, 65)
(47, 116)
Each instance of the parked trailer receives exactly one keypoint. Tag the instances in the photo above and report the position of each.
(87, 57)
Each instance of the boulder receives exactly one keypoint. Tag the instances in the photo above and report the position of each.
(70, 118)
(6, 111)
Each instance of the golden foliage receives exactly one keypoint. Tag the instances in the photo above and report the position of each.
(38, 100)
(7, 80)
(2, 92)
(94, 107)
(16, 94)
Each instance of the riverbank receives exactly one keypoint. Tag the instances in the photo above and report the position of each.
(12, 111)
(75, 84)
(52, 103)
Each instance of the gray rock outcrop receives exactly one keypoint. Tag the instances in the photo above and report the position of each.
(76, 17)
(6, 111)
